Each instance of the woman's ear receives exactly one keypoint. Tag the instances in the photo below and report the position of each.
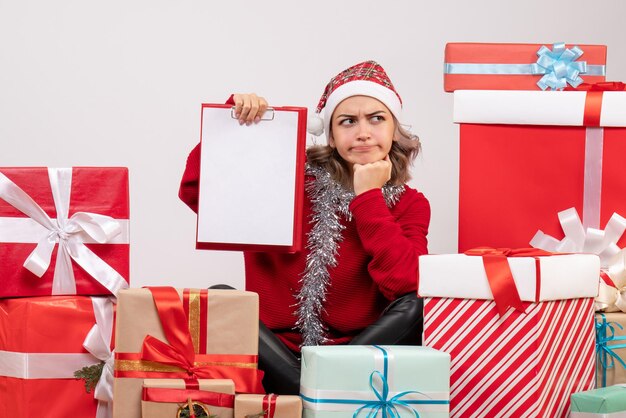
(331, 141)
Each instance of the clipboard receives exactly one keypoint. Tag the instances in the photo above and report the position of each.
(251, 180)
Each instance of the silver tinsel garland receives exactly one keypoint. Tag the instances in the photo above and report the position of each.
(329, 201)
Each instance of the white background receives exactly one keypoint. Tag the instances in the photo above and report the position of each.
(120, 83)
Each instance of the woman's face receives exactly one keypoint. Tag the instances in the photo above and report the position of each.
(362, 130)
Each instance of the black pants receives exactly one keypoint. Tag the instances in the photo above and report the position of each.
(399, 324)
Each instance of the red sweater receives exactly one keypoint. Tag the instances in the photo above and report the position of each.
(376, 262)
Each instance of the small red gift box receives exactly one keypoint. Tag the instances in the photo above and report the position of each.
(63, 231)
(490, 66)
(527, 156)
(42, 345)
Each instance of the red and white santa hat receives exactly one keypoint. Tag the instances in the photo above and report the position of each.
(364, 79)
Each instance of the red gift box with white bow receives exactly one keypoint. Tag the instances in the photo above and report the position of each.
(63, 231)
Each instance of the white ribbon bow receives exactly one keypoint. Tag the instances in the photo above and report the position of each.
(613, 299)
(98, 342)
(69, 234)
(593, 241)
(578, 240)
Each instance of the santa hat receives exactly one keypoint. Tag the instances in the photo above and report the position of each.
(365, 79)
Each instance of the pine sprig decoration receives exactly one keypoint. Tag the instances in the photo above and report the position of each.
(91, 375)
(259, 415)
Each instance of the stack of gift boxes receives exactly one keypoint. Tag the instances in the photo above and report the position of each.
(76, 341)
(65, 304)
(64, 247)
(191, 350)
(515, 309)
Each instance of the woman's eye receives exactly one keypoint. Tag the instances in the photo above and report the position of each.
(347, 121)
(378, 118)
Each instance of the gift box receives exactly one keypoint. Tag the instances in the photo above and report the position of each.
(611, 348)
(609, 402)
(345, 381)
(268, 406)
(164, 398)
(179, 334)
(524, 352)
(492, 66)
(40, 353)
(63, 231)
(537, 161)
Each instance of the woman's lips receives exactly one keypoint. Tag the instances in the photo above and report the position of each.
(362, 148)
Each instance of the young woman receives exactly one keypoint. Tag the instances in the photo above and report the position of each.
(355, 282)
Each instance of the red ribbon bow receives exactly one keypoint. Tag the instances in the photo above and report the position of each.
(499, 274)
(180, 352)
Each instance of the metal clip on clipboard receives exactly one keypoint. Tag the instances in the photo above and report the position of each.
(268, 115)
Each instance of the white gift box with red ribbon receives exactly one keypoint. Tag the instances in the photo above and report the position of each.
(537, 279)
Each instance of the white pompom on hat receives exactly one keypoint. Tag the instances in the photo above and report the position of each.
(364, 79)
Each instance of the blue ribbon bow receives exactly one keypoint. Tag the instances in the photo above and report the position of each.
(605, 352)
(559, 67)
(387, 406)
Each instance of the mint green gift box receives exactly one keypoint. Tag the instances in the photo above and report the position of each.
(338, 381)
(608, 402)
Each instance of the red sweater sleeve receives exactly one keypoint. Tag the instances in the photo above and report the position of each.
(188, 191)
(393, 238)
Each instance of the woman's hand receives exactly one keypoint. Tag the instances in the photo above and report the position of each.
(249, 108)
(371, 176)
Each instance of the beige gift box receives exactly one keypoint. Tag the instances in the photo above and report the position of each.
(223, 325)
(165, 404)
(261, 406)
(617, 373)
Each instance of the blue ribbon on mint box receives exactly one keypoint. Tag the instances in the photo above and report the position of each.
(381, 402)
(559, 67)
(605, 334)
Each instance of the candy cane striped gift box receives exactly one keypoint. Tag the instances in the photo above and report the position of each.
(522, 363)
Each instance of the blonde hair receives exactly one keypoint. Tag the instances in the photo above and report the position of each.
(404, 148)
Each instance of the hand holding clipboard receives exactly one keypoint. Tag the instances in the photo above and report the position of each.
(251, 177)
(249, 108)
